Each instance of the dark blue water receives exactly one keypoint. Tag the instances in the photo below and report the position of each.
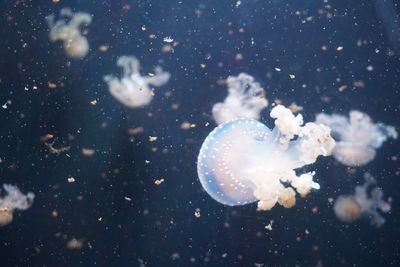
(158, 227)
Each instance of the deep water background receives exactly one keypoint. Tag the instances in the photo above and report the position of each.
(159, 223)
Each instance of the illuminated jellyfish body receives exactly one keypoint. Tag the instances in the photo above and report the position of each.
(243, 161)
(349, 208)
(132, 89)
(75, 44)
(13, 199)
(357, 136)
(245, 100)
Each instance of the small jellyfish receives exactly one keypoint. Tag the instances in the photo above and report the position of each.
(245, 100)
(132, 89)
(243, 161)
(75, 44)
(357, 137)
(349, 208)
(13, 199)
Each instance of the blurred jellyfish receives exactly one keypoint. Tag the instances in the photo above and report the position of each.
(245, 100)
(243, 161)
(75, 44)
(133, 90)
(349, 208)
(357, 137)
(13, 199)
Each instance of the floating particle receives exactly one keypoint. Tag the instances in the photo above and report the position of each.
(342, 88)
(239, 57)
(197, 213)
(75, 243)
(56, 1)
(128, 198)
(158, 182)
(359, 84)
(314, 210)
(143, 28)
(339, 48)
(295, 108)
(46, 137)
(187, 125)
(168, 39)
(71, 179)
(136, 130)
(207, 124)
(104, 48)
(202, 66)
(278, 69)
(56, 151)
(269, 226)
(175, 256)
(224, 255)
(292, 76)
(167, 49)
(174, 106)
(51, 85)
(238, 3)
(153, 138)
(93, 103)
(370, 68)
(306, 231)
(324, 48)
(87, 152)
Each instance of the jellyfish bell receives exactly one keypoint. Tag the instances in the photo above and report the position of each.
(132, 93)
(6, 216)
(347, 208)
(243, 161)
(77, 47)
(352, 154)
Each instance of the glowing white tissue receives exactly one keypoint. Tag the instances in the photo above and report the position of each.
(132, 89)
(243, 161)
(75, 44)
(245, 100)
(357, 137)
(13, 200)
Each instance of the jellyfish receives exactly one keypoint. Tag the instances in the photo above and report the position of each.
(349, 208)
(133, 90)
(358, 137)
(75, 44)
(242, 161)
(245, 100)
(13, 199)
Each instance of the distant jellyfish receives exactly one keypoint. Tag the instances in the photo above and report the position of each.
(349, 208)
(132, 89)
(357, 137)
(13, 200)
(243, 161)
(245, 99)
(75, 44)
